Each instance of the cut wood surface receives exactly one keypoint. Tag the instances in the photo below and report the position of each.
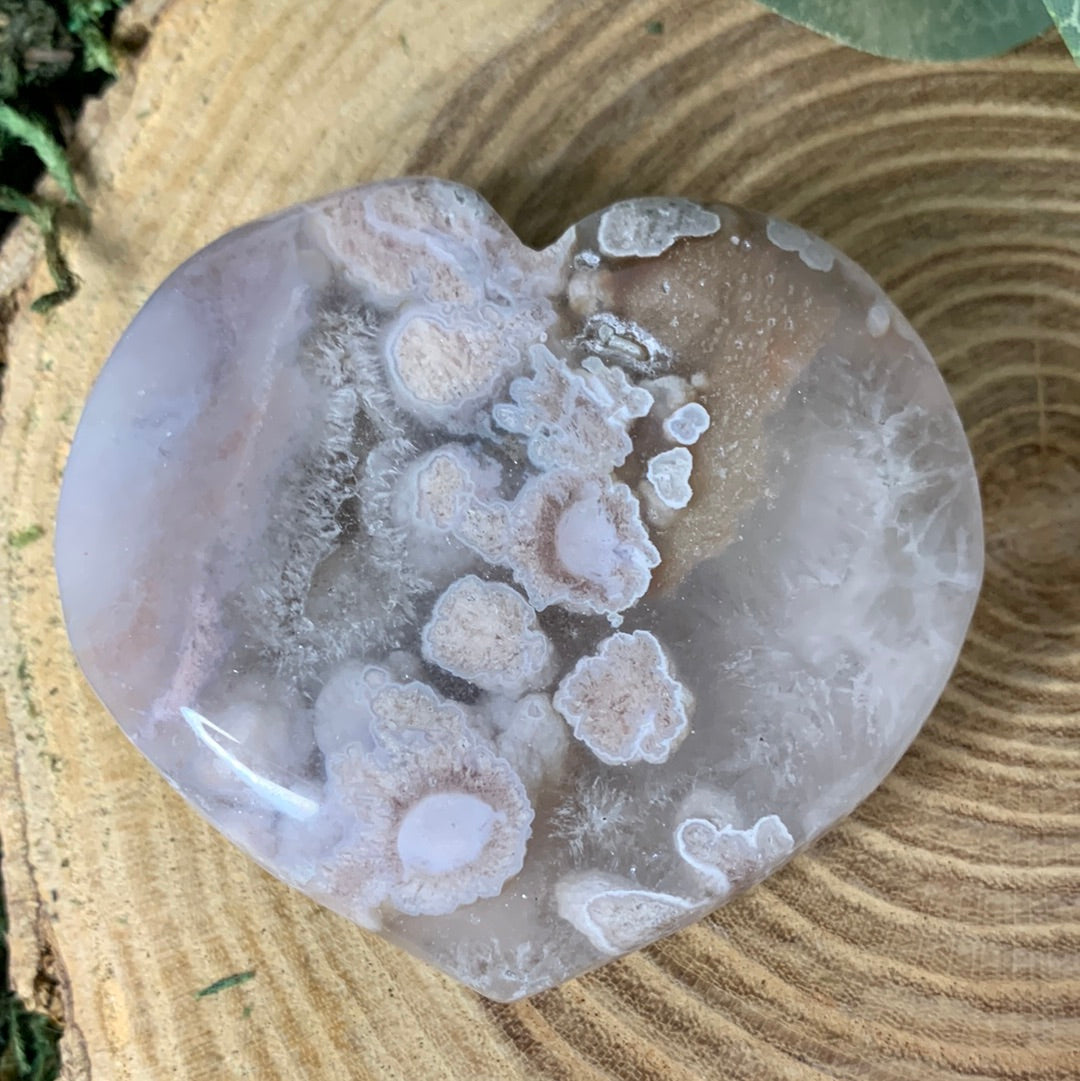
(935, 934)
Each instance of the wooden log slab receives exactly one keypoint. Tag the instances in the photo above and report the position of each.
(936, 933)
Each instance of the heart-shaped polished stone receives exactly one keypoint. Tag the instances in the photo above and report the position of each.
(521, 606)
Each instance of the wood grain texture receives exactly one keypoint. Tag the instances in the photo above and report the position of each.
(936, 934)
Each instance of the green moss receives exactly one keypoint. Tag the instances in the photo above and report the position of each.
(22, 537)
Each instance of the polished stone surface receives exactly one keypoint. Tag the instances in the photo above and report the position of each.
(521, 606)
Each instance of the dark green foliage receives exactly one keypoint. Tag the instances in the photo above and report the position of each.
(29, 1041)
(53, 53)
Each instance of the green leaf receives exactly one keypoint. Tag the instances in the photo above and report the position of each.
(34, 133)
(84, 21)
(923, 29)
(1066, 13)
(97, 56)
(226, 982)
(82, 13)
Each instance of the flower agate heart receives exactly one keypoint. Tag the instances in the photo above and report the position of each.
(521, 606)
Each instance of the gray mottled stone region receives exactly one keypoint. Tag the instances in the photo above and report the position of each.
(521, 606)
